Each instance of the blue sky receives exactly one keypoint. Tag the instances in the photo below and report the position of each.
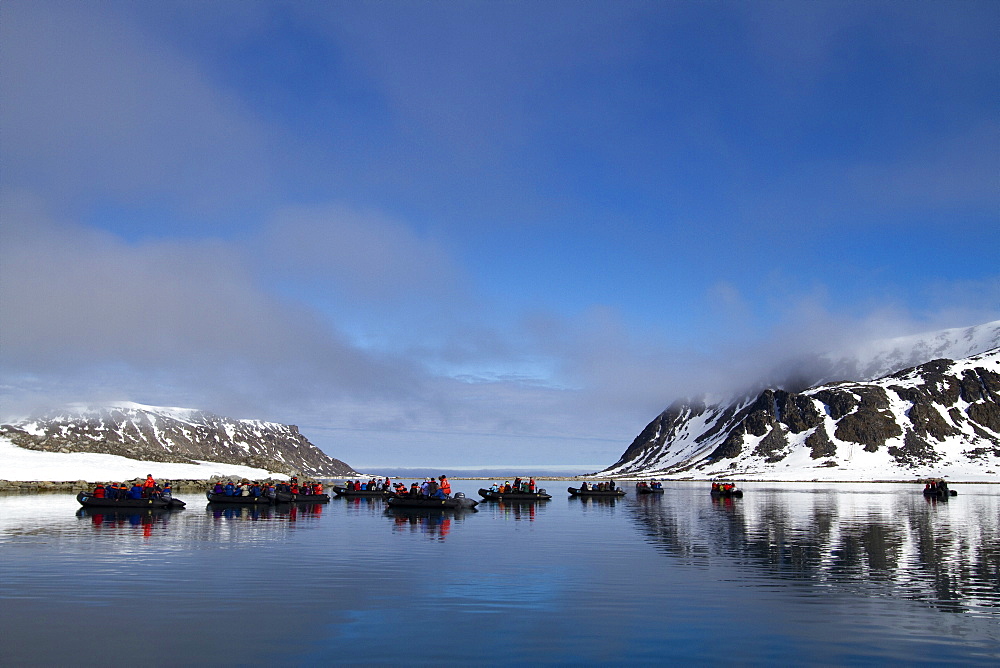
(480, 233)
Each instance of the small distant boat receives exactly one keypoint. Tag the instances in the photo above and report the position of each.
(733, 493)
(573, 491)
(88, 500)
(490, 495)
(649, 490)
(239, 499)
(457, 502)
(939, 492)
(351, 493)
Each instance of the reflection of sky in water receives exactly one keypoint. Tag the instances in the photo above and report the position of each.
(494, 592)
(782, 576)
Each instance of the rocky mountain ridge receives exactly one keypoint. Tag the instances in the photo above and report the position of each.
(179, 435)
(941, 417)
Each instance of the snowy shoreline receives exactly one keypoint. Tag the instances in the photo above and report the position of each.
(20, 468)
(22, 465)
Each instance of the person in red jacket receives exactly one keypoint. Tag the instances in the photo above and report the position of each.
(99, 491)
(444, 485)
(148, 486)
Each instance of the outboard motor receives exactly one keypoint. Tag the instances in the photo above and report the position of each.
(542, 491)
(459, 495)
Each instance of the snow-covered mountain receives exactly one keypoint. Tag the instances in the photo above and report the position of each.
(156, 434)
(938, 418)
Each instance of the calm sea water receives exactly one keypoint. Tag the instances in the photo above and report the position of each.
(790, 574)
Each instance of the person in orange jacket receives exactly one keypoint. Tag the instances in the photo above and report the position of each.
(148, 486)
(444, 485)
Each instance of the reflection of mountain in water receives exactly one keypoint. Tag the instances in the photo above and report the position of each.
(871, 544)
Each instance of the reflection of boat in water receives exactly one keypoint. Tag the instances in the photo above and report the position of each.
(490, 495)
(133, 515)
(433, 522)
(355, 493)
(254, 512)
(88, 500)
(146, 520)
(288, 497)
(457, 502)
(239, 500)
(573, 491)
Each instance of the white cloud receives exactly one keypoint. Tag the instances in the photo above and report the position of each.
(363, 254)
(103, 107)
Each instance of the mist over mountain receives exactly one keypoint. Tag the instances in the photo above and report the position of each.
(893, 409)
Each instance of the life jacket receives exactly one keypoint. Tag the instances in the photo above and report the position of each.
(446, 487)
(318, 488)
(149, 481)
(99, 491)
(294, 488)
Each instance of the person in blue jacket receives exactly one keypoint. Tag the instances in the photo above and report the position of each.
(135, 492)
(230, 489)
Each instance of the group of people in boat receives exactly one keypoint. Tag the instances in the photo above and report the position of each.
(521, 485)
(723, 487)
(375, 484)
(939, 486)
(642, 484)
(608, 486)
(267, 489)
(147, 489)
(429, 488)
(245, 488)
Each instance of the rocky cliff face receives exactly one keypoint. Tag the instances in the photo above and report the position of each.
(938, 418)
(175, 435)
